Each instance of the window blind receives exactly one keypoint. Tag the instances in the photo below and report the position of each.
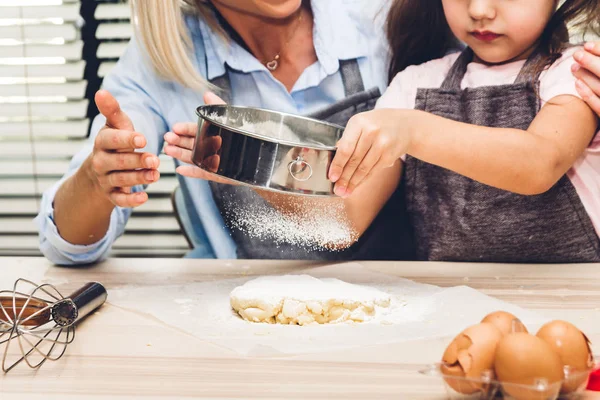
(47, 81)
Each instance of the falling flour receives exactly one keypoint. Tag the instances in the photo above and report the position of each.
(308, 226)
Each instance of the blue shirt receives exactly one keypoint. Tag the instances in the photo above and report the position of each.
(344, 29)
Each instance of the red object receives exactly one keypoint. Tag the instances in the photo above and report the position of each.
(594, 381)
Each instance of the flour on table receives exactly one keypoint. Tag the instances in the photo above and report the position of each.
(304, 300)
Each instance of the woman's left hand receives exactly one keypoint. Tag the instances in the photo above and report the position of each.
(372, 140)
(180, 144)
(587, 70)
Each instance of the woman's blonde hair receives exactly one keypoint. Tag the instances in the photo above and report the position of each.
(160, 26)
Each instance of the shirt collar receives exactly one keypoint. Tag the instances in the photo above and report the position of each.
(338, 35)
(333, 31)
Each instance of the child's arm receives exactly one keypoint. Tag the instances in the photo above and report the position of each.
(525, 162)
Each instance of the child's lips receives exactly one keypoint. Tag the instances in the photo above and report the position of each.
(485, 36)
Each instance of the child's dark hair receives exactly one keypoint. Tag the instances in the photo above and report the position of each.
(418, 32)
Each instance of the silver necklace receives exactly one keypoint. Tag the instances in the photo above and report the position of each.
(274, 63)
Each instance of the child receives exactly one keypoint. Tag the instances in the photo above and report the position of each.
(501, 157)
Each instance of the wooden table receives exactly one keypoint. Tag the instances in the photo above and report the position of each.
(118, 354)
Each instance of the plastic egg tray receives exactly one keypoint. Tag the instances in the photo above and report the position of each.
(489, 388)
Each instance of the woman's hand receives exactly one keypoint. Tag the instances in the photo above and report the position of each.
(180, 144)
(372, 141)
(114, 166)
(587, 70)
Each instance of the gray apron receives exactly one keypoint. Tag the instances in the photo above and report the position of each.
(458, 219)
(388, 238)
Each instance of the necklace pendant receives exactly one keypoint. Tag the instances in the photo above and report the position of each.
(272, 65)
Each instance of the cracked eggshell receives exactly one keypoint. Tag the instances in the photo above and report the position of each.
(506, 322)
(573, 348)
(470, 355)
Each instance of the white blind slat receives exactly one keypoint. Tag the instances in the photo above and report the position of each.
(23, 167)
(20, 186)
(28, 206)
(55, 129)
(58, 149)
(72, 109)
(112, 11)
(68, 32)
(69, 51)
(117, 30)
(71, 90)
(68, 71)
(105, 68)
(136, 223)
(69, 11)
(111, 50)
(160, 241)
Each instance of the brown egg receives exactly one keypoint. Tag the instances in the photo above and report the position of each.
(506, 322)
(523, 359)
(470, 355)
(573, 348)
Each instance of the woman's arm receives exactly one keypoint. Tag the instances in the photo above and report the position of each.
(84, 203)
(525, 162)
(78, 220)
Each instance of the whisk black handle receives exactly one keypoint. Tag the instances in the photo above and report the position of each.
(79, 304)
(89, 297)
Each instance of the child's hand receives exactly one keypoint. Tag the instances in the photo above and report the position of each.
(372, 140)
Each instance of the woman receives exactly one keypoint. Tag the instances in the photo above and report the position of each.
(325, 58)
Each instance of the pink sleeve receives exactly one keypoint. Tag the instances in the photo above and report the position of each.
(399, 93)
(402, 92)
(558, 79)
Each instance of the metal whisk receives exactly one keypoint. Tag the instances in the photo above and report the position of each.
(37, 323)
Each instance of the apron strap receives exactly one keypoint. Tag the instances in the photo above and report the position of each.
(224, 83)
(528, 72)
(351, 77)
(458, 71)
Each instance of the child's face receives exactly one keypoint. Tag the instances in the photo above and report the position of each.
(499, 30)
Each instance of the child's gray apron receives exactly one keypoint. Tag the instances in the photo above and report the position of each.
(389, 236)
(458, 219)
